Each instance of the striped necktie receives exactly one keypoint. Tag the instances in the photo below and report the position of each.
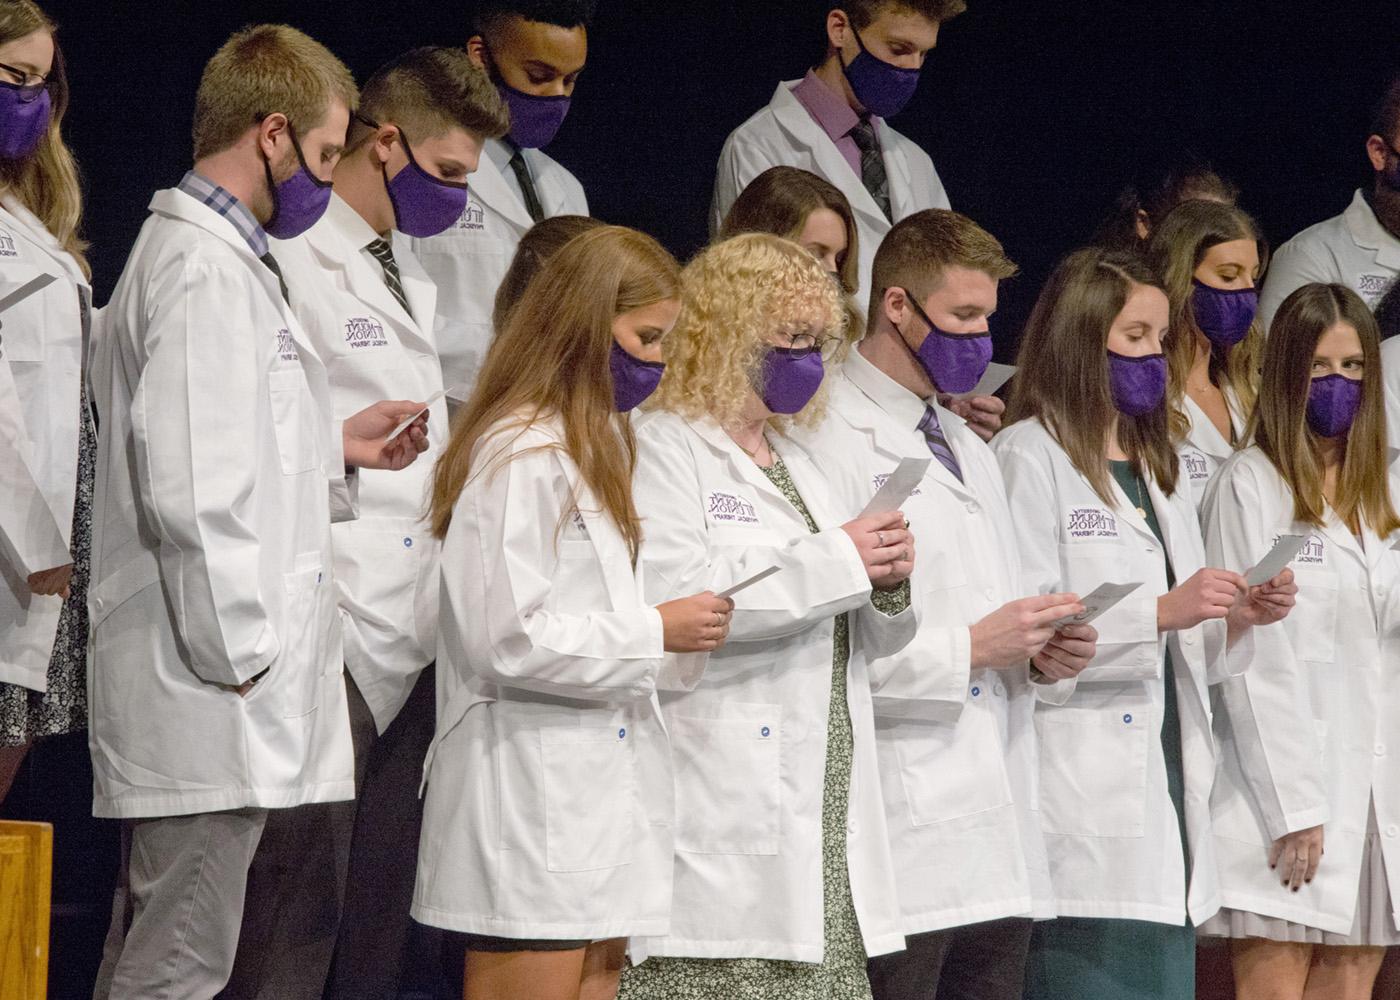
(937, 443)
(872, 164)
(383, 252)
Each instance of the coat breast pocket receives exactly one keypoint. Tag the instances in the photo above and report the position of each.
(1093, 771)
(1085, 566)
(589, 795)
(728, 774)
(1314, 620)
(294, 421)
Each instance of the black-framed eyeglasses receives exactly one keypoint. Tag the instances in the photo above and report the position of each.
(30, 85)
(803, 344)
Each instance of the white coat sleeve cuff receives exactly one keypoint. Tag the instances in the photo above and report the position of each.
(344, 480)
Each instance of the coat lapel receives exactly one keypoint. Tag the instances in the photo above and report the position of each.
(793, 118)
(490, 187)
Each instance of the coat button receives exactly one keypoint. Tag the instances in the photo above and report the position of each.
(1392, 830)
(976, 691)
(972, 507)
(1189, 639)
(999, 688)
(765, 732)
(1128, 719)
(1380, 749)
(408, 543)
(622, 734)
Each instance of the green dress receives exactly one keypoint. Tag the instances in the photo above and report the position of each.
(841, 974)
(1090, 958)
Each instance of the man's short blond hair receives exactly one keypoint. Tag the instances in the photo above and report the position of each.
(262, 70)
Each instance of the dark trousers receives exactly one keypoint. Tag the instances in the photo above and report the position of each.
(340, 875)
(374, 925)
(984, 961)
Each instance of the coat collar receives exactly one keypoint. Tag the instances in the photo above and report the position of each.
(39, 234)
(490, 186)
(1203, 433)
(793, 119)
(900, 434)
(1368, 233)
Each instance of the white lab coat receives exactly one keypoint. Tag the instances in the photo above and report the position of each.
(1353, 249)
(468, 261)
(1307, 734)
(211, 556)
(749, 743)
(957, 747)
(1390, 374)
(42, 340)
(1205, 449)
(784, 134)
(386, 561)
(1110, 829)
(549, 788)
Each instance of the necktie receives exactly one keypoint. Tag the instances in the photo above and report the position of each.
(937, 443)
(872, 164)
(527, 185)
(382, 251)
(272, 266)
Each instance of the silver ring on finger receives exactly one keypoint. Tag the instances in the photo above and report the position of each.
(880, 535)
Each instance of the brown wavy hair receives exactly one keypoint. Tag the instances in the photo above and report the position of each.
(47, 182)
(551, 361)
(1177, 247)
(1279, 425)
(1062, 370)
(541, 241)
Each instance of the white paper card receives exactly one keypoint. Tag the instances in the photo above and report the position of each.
(18, 295)
(1277, 560)
(898, 488)
(403, 424)
(992, 379)
(1104, 597)
(745, 584)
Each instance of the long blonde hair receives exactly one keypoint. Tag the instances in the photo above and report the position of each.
(551, 360)
(46, 182)
(1279, 424)
(735, 294)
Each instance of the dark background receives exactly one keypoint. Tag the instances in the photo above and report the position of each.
(1034, 111)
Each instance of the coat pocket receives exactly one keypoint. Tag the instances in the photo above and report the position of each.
(1093, 771)
(294, 421)
(589, 797)
(296, 673)
(952, 771)
(1314, 620)
(728, 780)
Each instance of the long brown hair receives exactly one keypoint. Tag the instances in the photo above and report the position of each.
(1279, 425)
(779, 201)
(551, 360)
(1062, 370)
(540, 242)
(47, 181)
(1178, 246)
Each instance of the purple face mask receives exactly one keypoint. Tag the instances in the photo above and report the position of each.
(534, 120)
(22, 123)
(953, 362)
(790, 378)
(299, 201)
(633, 379)
(882, 88)
(1333, 401)
(1223, 314)
(1138, 384)
(424, 205)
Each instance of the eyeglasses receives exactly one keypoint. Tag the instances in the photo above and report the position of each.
(30, 85)
(803, 344)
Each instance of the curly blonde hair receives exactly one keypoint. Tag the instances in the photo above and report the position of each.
(734, 295)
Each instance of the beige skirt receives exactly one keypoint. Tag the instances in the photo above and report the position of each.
(1371, 927)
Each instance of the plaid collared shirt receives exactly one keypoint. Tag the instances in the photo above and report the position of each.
(205, 191)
